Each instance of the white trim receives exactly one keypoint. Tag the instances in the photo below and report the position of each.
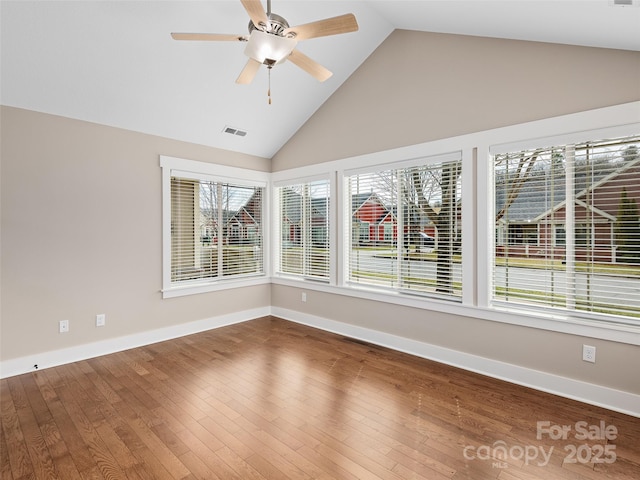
(334, 229)
(306, 228)
(616, 400)
(299, 180)
(343, 230)
(558, 321)
(597, 211)
(18, 366)
(607, 122)
(591, 188)
(196, 170)
(207, 177)
(275, 230)
(469, 226)
(427, 159)
(617, 120)
(485, 225)
(166, 225)
(612, 399)
(555, 140)
(213, 170)
(185, 288)
(267, 225)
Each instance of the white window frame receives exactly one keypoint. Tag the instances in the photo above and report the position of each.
(478, 225)
(477, 217)
(426, 160)
(172, 166)
(559, 235)
(563, 231)
(276, 227)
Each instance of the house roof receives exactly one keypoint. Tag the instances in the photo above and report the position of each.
(292, 205)
(534, 199)
(538, 198)
(114, 63)
(359, 199)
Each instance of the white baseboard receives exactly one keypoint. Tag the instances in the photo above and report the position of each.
(18, 366)
(598, 395)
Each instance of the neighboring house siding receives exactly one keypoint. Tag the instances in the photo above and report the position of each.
(371, 215)
(595, 212)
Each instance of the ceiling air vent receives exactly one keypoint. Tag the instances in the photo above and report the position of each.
(625, 3)
(235, 131)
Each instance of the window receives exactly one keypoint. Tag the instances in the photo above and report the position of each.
(582, 201)
(304, 229)
(213, 227)
(560, 238)
(584, 235)
(404, 227)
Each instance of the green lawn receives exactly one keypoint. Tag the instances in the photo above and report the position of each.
(558, 300)
(619, 269)
(625, 270)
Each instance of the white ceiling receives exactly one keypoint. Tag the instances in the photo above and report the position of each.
(114, 62)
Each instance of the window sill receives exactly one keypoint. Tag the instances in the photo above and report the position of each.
(556, 322)
(196, 288)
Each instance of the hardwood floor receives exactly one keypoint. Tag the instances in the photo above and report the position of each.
(270, 399)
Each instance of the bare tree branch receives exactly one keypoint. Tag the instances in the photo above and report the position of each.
(525, 165)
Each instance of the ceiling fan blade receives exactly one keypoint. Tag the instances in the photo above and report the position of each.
(310, 66)
(210, 37)
(248, 72)
(322, 28)
(256, 12)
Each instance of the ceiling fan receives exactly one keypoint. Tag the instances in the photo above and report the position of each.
(272, 41)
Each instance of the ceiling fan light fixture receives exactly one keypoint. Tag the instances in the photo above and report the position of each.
(271, 40)
(269, 48)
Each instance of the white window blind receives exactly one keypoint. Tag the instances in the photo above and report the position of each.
(567, 228)
(304, 229)
(405, 228)
(216, 230)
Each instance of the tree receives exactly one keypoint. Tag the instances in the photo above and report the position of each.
(518, 176)
(630, 153)
(220, 201)
(435, 193)
(628, 229)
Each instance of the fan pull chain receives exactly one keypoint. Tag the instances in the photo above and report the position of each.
(269, 90)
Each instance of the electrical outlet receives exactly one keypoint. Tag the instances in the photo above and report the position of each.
(589, 353)
(304, 296)
(101, 319)
(63, 326)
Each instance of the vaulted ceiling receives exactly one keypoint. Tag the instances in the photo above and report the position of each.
(114, 62)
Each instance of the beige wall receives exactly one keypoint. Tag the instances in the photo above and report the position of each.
(419, 87)
(81, 218)
(81, 234)
(541, 350)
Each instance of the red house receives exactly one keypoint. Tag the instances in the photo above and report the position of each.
(243, 226)
(596, 209)
(372, 222)
(292, 218)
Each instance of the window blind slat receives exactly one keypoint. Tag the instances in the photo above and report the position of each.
(405, 229)
(567, 229)
(304, 229)
(216, 230)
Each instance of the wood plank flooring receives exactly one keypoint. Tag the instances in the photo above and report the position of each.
(270, 399)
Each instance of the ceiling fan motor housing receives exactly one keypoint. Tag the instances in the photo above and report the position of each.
(276, 26)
